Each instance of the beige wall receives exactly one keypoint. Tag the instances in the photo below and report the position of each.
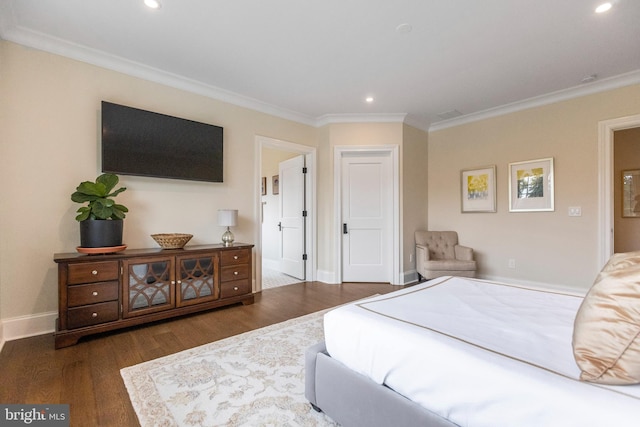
(49, 139)
(49, 134)
(334, 135)
(414, 192)
(413, 182)
(626, 157)
(324, 205)
(548, 247)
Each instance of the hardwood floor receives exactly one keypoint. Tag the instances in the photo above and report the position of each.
(87, 375)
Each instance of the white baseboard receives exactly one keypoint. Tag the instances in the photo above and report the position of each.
(27, 326)
(410, 277)
(325, 276)
(537, 285)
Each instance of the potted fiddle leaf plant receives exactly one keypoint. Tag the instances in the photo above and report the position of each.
(100, 220)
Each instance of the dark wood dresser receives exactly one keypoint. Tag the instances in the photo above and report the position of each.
(99, 293)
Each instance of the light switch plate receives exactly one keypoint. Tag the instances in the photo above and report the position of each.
(575, 211)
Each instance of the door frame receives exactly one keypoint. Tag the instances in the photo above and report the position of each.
(338, 152)
(606, 129)
(310, 202)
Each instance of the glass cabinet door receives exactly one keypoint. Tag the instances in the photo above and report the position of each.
(197, 279)
(148, 286)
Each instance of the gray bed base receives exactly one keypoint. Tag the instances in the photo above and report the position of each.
(351, 399)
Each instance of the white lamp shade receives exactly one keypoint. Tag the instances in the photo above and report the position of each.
(227, 217)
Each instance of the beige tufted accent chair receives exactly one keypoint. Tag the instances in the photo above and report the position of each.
(439, 254)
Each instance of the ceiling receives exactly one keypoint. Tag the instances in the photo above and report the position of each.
(317, 61)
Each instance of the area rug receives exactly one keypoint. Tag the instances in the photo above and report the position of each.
(252, 379)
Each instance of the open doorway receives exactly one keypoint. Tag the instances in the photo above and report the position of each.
(606, 199)
(626, 190)
(283, 221)
(271, 155)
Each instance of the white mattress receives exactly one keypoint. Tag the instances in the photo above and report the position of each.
(479, 354)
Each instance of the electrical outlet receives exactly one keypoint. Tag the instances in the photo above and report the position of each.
(512, 263)
(410, 257)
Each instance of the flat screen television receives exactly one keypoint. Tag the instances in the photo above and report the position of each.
(144, 143)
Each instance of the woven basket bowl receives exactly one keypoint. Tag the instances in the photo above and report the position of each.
(172, 240)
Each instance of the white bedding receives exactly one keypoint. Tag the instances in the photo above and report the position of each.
(479, 354)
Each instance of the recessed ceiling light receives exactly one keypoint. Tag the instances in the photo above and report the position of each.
(369, 99)
(153, 4)
(603, 7)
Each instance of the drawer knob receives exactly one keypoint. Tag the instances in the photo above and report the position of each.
(235, 288)
(235, 257)
(235, 272)
(94, 314)
(94, 293)
(94, 272)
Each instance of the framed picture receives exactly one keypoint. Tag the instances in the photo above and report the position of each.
(275, 184)
(531, 186)
(478, 189)
(631, 193)
(264, 186)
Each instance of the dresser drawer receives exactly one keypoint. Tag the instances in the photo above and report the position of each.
(92, 314)
(234, 272)
(92, 272)
(92, 293)
(236, 287)
(240, 256)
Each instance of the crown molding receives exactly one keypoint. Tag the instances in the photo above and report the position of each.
(101, 59)
(360, 118)
(611, 83)
(47, 43)
(415, 122)
(10, 32)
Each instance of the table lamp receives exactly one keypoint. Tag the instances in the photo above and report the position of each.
(227, 218)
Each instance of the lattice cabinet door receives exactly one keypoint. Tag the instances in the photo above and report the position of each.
(197, 279)
(148, 285)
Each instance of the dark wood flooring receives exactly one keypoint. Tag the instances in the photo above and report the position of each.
(87, 375)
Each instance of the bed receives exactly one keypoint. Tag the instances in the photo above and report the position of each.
(467, 352)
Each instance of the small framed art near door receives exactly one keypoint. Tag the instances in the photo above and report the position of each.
(631, 193)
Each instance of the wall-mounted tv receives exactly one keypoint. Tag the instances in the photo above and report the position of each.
(144, 143)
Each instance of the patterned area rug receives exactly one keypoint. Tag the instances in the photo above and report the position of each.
(252, 379)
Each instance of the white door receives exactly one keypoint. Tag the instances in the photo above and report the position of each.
(367, 202)
(292, 232)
